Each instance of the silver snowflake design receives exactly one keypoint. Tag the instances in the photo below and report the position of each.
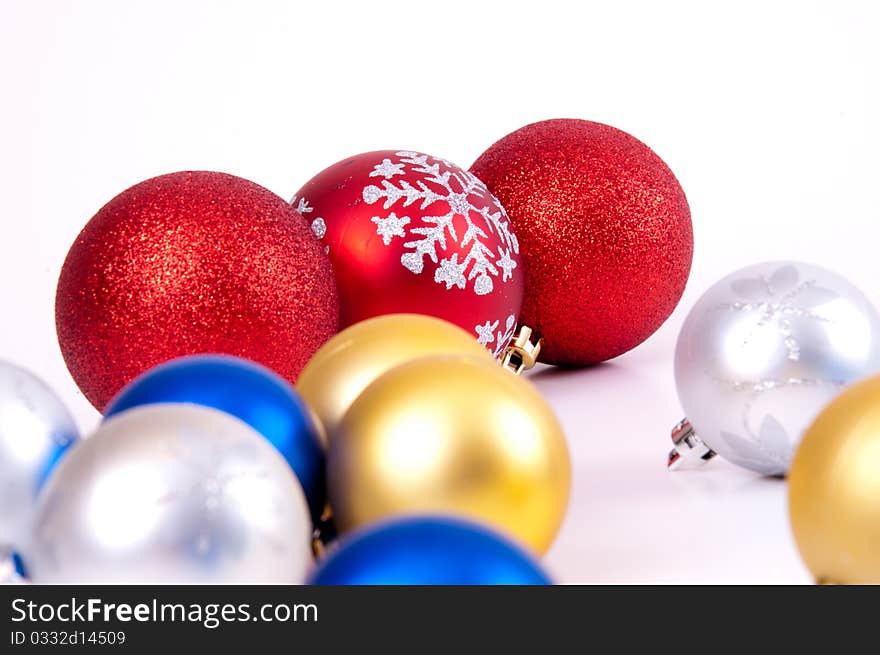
(451, 273)
(507, 265)
(771, 445)
(387, 169)
(391, 226)
(787, 304)
(488, 334)
(451, 193)
(786, 300)
(319, 226)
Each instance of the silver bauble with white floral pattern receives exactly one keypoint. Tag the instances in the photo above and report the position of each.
(763, 351)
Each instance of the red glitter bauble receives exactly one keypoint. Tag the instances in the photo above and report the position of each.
(605, 232)
(187, 263)
(408, 232)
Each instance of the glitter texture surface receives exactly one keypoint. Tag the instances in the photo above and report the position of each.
(187, 263)
(604, 229)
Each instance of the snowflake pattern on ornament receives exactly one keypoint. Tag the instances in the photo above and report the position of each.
(462, 193)
(488, 333)
(783, 303)
(319, 227)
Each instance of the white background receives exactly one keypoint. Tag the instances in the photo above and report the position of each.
(767, 113)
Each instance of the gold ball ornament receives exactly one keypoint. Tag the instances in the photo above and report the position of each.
(834, 489)
(452, 435)
(351, 360)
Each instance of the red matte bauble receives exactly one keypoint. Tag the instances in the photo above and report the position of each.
(605, 232)
(411, 233)
(186, 263)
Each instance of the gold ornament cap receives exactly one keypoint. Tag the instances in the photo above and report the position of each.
(522, 352)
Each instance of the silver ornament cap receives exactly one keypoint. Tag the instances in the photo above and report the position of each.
(172, 494)
(761, 353)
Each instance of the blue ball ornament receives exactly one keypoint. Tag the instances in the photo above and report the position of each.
(428, 551)
(248, 391)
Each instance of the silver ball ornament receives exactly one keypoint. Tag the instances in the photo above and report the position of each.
(763, 351)
(172, 493)
(35, 431)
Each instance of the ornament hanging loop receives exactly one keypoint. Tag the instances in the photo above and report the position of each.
(687, 445)
(522, 352)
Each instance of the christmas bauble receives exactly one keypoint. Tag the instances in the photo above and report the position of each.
(411, 233)
(249, 392)
(428, 551)
(763, 350)
(605, 232)
(35, 431)
(834, 489)
(351, 360)
(187, 263)
(171, 494)
(452, 435)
